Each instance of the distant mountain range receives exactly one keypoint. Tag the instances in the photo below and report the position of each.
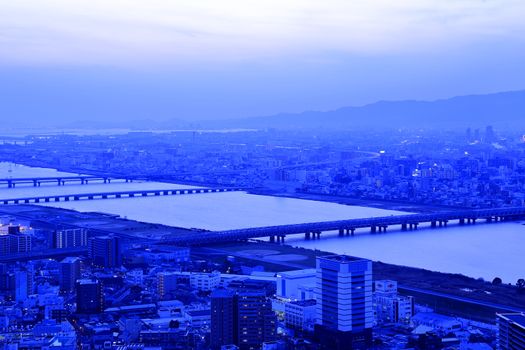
(506, 109)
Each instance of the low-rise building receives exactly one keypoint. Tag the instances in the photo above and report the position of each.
(300, 314)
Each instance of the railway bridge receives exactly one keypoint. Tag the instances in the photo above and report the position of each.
(113, 195)
(314, 230)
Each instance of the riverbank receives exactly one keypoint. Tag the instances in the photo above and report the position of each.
(451, 294)
(372, 203)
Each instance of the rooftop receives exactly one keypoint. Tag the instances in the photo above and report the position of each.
(341, 258)
(297, 273)
(70, 259)
(517, 318)
(309, 302)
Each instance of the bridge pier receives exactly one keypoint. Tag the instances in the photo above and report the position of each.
(307, 236)
(403, 227)
(272, 239)
(352, 230)
(462, 221)
(318, 234)
(373, 229)
(341, 232)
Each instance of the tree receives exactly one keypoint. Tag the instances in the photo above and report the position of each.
(521, 285)
(497, 281)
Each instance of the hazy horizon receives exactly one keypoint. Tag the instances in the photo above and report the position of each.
(63, 61)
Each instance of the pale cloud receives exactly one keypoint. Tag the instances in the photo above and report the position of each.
(177, 32)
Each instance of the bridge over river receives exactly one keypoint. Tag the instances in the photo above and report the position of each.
(62, 180)
(314, 230)
(113, 195)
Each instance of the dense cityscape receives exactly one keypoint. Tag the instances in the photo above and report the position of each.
(468, 169)
(99, 281)
(262, 175)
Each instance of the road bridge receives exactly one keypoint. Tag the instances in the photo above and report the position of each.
(314, 230)
(62, 180)
(113, 195)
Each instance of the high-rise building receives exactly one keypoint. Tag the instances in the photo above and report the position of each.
(69, 238)
(21, 290)
(90, 299)
(4, 277)
(243, 317)
(256, 321)
(511, 331)
(344, 314)
(223, 318)
(69, 273)
(104, 251)
(14, 243)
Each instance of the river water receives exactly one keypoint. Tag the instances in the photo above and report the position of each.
(481, 250)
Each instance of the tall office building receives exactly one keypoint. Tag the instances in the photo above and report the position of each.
(344, 314)
(511, 331)
(90, 299)
(69, 273)
(243, 317)
(223, 318)
(104, 251)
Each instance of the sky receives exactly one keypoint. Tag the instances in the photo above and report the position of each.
(121, 60)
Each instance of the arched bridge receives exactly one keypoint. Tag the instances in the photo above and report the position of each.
(113, 195)
(314, 230)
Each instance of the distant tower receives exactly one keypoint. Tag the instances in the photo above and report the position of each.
(468, 135)
(490, 136)
(476, 135)
(104, 251)
(345, 314)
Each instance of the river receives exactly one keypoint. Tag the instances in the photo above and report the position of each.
(481, 250)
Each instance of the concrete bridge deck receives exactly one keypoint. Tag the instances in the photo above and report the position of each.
(314, 230)
(62, 180)
(113, 195)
